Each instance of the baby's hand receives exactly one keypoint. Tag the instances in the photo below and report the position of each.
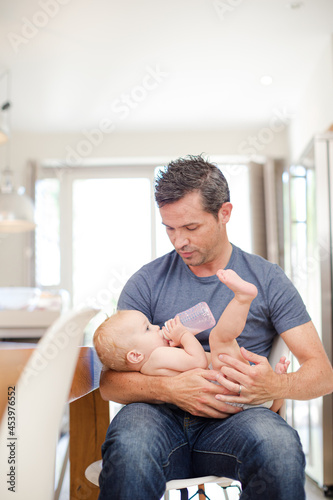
(174, 331)
(282, 366)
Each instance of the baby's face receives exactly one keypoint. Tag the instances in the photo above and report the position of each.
(146, 337)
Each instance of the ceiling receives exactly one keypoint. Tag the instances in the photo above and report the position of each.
(157, 65)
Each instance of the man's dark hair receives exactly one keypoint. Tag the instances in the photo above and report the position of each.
(192, 173)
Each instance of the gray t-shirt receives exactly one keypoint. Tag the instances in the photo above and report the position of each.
(166, 286)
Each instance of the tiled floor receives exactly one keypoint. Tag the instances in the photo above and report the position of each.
(312, 491)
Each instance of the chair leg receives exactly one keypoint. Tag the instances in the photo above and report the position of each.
(225, 490)
(202, 495)
(226, 496)
(183, 494)
(200, 492)
(62, 472)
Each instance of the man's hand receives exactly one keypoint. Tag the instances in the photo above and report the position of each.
(258, 383)
(194, 392)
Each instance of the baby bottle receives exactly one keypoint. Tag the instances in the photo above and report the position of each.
(198, 318)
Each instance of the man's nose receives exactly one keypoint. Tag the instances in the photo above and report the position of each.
(180, 241)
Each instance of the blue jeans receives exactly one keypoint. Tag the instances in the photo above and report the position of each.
(147, 445)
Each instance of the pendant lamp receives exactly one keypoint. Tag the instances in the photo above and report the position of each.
(3, 135)
(16, 209)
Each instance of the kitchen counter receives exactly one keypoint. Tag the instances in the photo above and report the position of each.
(24, 324)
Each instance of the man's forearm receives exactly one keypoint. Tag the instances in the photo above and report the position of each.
(133, 387)
(310, 381)
(314, 378)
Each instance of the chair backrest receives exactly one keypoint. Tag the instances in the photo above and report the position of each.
(279, 348)
(40, 396)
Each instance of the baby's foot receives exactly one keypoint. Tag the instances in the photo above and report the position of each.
(243, 290)
(282, 366)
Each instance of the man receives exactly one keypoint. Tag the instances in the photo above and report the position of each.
(195, 432)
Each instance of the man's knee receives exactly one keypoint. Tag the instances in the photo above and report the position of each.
(274, 462)
(277, 454)
(270, 440)
(131, 430)
(277, 439)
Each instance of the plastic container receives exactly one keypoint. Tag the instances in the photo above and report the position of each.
(198, 318)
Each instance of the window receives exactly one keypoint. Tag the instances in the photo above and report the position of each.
(98, 225)
(47, 232)
(111, 235)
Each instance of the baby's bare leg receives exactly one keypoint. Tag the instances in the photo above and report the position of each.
(222, 339)
(233, 319)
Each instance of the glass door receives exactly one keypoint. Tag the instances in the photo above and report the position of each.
(303, 267)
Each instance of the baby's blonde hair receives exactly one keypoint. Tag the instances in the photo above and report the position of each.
(111, 342)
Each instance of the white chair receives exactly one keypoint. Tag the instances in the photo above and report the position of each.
(183, 484)
(279, 348)
(40, 395)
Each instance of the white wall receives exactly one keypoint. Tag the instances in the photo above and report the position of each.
(316, 110)
(118, 144)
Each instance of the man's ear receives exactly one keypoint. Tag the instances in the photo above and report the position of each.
(134, 357)
(225, 212)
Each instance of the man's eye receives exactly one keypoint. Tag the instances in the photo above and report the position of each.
(192, 228)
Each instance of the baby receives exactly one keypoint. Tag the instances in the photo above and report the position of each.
(127, 341)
